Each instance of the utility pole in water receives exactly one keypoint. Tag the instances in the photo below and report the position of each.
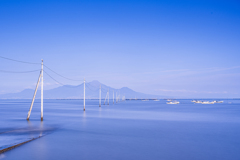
(84, 95)
(42, 93)
(34, 95)
(108, 96)
(100, 96)
(30, 109)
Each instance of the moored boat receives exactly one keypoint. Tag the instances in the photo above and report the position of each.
(173, 102)
(207, 102)
(198, 102)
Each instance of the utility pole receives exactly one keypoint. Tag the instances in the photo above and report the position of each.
(42, 94)
(84, 95)
(39, 79)
(100, 96)
(108, 96)
(105, 98)
(30, 109)
(113, 96)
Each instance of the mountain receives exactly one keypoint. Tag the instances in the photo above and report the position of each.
(76, 92)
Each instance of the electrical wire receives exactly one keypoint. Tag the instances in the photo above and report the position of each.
(102, 89)
(60, 82)
(90, 88)
(60, 74)
(18, 60)
(19, 71)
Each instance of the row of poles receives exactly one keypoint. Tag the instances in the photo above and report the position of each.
(107, 96)
(41, 79)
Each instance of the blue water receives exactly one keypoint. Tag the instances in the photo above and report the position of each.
(139, 130)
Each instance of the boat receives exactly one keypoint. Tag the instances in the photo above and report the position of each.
(194, 101)
(198, 102)
(169, 100)
(156, 100)
(173, 102)
(219, 102)
(145, 100)
(207, 102)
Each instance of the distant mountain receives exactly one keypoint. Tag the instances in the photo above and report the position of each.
(76, 92)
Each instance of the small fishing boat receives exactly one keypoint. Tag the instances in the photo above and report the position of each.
(207, 102)
(173, 102)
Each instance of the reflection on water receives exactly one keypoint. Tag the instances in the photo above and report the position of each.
(129, 130)
(14, 136)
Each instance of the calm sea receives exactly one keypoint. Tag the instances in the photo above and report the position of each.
(130, 130)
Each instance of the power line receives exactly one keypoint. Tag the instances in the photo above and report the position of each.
(90, 88)
(19, 71)
(17, 60)
(102, 89)
(88, 85)
(60, 82)
(60, 74)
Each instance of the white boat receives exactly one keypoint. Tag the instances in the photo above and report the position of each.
(219, 102)
(145, 100)
(198, 102)
(156, 100)
(173, 102)
(194, 101)
(207, 102)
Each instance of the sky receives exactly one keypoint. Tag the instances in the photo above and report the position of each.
(187, 48)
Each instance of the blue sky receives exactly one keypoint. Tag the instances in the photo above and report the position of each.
(173, 48)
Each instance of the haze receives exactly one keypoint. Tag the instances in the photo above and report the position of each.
(173, 48)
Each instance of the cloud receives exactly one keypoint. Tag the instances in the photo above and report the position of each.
(189, 91)
(191, 71)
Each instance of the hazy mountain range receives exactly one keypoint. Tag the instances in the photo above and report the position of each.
(76, 92)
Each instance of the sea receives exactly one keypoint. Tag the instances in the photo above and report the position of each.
(127, 130)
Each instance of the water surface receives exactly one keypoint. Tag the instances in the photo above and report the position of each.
(128, 130)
